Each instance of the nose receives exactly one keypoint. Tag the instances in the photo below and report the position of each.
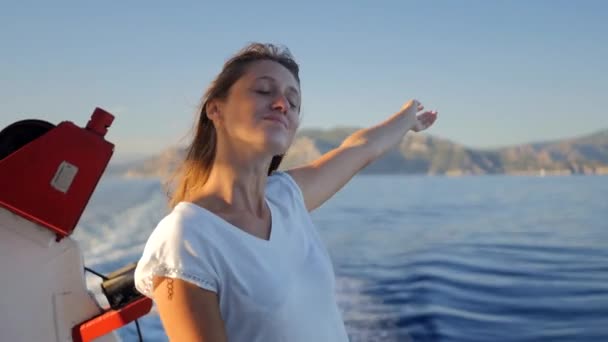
(280, 103)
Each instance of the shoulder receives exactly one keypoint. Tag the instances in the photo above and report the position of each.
(182, 245)
(187, 232)
(280, 179)
(282, 187)
(182, 222)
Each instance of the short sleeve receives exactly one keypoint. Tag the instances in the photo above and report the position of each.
(174, 250)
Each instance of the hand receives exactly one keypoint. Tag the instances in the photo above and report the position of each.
(419, 121)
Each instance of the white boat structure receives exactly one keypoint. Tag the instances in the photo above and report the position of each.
(47, 176)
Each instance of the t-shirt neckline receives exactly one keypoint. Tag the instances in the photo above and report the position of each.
(237, 230)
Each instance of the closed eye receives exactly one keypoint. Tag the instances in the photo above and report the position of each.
(292, 102)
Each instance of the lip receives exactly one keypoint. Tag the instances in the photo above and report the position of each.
(277, 118)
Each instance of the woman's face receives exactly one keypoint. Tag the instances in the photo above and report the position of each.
(262, 109)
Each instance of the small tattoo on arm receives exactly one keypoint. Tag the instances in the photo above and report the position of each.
(170, 288)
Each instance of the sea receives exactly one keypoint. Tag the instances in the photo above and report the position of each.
(422, 258)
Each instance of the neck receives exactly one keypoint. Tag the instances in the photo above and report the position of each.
(238, 180)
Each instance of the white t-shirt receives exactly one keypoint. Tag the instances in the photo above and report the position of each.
(281, 289)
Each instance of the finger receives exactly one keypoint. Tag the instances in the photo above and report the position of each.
(426, 114)
(416, 103)
(425, 120)
(429, 116)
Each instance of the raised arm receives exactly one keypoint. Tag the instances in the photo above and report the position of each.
(188, 313)
(322, 178)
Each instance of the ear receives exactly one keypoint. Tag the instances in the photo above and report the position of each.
(214, 110)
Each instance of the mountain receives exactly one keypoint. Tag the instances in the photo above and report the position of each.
(420, 153)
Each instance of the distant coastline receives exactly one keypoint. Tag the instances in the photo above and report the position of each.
(424, 154)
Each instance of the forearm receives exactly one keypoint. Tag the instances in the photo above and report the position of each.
(375, 141)
(323, 177)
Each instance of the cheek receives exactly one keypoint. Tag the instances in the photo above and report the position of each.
(254, 107)
(293, 130)
(294, 119)
(241, 111)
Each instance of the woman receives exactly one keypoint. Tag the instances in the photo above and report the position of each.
(238, 258)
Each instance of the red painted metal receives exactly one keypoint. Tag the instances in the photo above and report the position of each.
(51, 179)
(111, 320)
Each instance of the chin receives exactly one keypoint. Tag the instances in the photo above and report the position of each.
(276, 148)
(277, 144)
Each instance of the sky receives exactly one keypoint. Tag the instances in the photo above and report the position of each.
(499, 72)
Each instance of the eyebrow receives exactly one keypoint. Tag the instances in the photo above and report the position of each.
(273, 80)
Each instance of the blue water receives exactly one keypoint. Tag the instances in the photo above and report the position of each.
(490, 258)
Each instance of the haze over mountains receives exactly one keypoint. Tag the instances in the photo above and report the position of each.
(419, 153)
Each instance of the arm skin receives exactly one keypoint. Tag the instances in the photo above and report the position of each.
(188, 312)
(322, 178)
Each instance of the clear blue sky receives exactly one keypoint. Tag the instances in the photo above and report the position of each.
(499, 72)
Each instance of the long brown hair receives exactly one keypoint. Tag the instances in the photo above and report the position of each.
(194, 170)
